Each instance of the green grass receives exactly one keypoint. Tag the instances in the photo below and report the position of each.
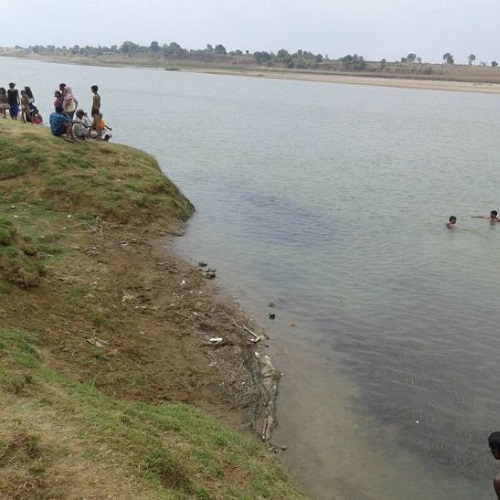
(109, 180)
(175, 449)
(55, 429)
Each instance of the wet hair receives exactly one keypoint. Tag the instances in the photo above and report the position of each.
(59, 109)
(494, 440)
(94, 88)
(452, 218)
(494, 212)
(29, 93)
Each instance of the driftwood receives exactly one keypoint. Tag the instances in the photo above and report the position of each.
(257, 338)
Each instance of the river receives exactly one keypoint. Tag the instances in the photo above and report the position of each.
(330, 201)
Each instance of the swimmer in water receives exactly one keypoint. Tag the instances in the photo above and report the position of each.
(493, 217)
(451, 222)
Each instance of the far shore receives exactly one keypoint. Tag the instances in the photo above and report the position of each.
(443, 82)
(449, 86)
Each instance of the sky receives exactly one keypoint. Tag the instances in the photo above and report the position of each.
(375, 29)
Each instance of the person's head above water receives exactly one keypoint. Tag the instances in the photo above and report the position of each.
(452, 219)
(493, 214)
(494, 444)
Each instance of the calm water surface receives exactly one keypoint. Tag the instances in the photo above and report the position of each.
(331, 201)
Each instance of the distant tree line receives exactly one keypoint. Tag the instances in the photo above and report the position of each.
(301, 59)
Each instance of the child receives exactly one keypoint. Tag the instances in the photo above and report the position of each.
(4, 102)
(102, 130)
(36, 117)
(96, 101)
(58, 101)
(25, 107)
(451, 222)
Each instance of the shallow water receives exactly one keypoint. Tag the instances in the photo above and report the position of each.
(331, 201)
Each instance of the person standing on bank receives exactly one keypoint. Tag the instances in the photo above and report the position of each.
(4, 102)
(14, 101)
(494, 444)
(69, 101)
(25, 107)
(96, 101)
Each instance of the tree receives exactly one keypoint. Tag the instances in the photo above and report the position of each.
(472, 58)
(282, 54)
(220, 49)
(448, 58)
(173, 49)
(154, 47)
(262, 57)
(411, 57)
(129, 47)
(284, 57)
(494, 64)
(354, 62)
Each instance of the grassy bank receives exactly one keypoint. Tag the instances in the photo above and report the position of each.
(106, 375)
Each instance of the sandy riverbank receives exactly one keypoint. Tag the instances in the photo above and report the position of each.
(448, 86)
(452, 79)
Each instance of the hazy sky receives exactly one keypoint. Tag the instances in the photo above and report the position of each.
(375, 29)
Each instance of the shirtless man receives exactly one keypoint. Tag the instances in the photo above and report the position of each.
(494, 444)
(493, 217)
(96, 101)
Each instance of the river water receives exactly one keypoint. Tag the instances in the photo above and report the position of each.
(330, 201)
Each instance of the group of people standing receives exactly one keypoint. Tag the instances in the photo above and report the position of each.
(66, 120)
(19, 104)
(73, 123)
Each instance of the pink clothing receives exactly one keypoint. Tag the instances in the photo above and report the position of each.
(68, 99)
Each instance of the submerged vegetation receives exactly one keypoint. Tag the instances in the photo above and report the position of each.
(98, 359)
